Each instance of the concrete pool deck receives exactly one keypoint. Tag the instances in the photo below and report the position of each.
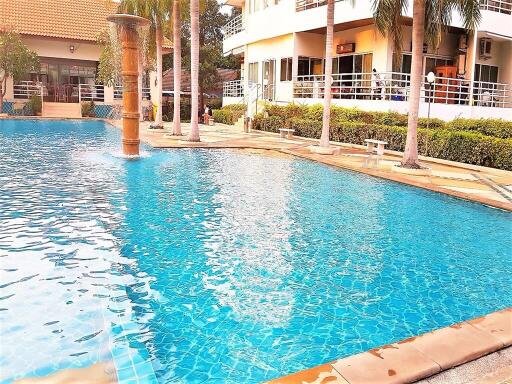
(480, 184)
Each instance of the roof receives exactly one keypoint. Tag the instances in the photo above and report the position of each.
(66, 19)
(224, 75)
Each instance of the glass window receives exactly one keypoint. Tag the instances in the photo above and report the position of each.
(253, 72)
(286, 69)
(303, 67)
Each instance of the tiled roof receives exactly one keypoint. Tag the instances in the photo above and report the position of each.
(68, 19)
(72, 19)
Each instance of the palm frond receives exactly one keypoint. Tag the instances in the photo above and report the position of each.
(388, 20)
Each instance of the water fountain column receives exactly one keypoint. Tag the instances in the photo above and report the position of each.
(130, 74)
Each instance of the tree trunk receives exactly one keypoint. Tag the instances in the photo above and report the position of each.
(201, 100)
(176, 124)
(3, 86)
(139, 86)
(159, 41)
(194, 70)
(410, 159)
(326, 121)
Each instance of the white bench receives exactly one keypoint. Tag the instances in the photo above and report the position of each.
(370, 148)
(285, 132)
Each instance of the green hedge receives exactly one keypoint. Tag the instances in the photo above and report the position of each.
(229, 114)
(490, 127)
(449, 144)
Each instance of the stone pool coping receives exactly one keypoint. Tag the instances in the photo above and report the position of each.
(414, 358)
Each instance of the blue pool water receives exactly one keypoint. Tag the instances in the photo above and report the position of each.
(196, 266)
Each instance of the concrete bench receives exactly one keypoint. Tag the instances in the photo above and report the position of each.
(371, 143)
(370, 148)
(285, 132)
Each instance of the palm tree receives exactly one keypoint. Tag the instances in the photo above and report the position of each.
(176, 23)
(194, 70)
(326, 120)
(430, 19)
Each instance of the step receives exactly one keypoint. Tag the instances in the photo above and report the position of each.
(65, 110)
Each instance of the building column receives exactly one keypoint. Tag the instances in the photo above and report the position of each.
(472, 67)
(108, 93)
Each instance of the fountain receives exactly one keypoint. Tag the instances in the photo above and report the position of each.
(130, 74)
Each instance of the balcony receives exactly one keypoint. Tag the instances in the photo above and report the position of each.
(233, 27)
(500, 6)
(302, 5)
(393, 86)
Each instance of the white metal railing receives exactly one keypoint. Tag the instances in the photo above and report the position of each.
(91, 92)
(302, 5)
(118, 92)
(395, 86)
(501, 6)
(25, 89)
(233, 88)
(234, 26)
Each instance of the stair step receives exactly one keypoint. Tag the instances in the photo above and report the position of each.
(66, 110)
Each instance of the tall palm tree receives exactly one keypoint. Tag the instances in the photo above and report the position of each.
(194, 70)
(326, 120)
(176, 25)
(430, 19)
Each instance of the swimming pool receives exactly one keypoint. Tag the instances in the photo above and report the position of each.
(193, 266)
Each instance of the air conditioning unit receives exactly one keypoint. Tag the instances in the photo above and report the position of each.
(485, 48)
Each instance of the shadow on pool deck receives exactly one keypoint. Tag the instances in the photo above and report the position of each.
(480, 184)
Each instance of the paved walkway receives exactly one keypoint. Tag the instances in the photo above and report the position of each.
(485, 185)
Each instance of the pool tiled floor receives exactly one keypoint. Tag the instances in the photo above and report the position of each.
(485, 185)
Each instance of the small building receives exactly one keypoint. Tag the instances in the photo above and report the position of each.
(282, 47)
(64, 34)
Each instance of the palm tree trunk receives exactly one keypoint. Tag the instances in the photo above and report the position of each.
(176, 124)
(326, 121)
(194, 70)
(410, 159)
(159, 43)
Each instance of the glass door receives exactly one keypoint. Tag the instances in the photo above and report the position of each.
(269, 79)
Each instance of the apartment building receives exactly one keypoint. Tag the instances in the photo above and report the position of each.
(282, 46)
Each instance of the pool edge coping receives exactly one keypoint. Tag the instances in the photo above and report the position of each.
(417, 357)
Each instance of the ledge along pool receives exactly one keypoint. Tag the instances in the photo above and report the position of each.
(217, 266)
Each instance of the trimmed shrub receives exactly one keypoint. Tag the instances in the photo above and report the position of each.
(229, 114)
(461, 146)
(490, 127)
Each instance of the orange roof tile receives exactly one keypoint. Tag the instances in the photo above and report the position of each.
(71, 19)
(68, 19)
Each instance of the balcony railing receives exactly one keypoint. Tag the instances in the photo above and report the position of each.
(91, 92)
(302, 5)
(118, 92)
(501, 6)
(395, 86)
(234, 88)
(26, 89)
(234, 26)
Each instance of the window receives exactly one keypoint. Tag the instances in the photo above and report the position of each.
(286, 69)
(253, 72)
(486, 73)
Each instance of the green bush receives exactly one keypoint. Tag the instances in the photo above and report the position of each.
(490, 127)
(34, 105)
(229, 114)
(88, 109)
(461, 146)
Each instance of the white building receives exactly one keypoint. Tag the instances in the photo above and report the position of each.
(282, 44)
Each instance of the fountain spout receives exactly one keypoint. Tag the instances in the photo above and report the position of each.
(130, 74)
